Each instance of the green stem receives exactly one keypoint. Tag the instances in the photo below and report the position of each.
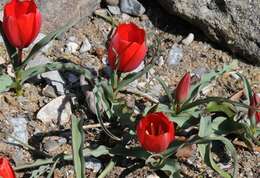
(108, 168)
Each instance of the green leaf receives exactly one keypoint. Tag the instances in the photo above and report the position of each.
(53, 168)
(207, 78)
(12, 52)
(205, 128)
(77, 145)
(5, 82)
(210, 99)
(121, 150)
(184, 119)
(214, 165)
(224, 107)
(43, 42)
(229, 146)
(166, 89)
(225, 126)
(172, 168)
(34, 71)
(132, 77)
(98, 94)
(247, 87)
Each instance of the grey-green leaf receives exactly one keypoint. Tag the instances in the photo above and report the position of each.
(77, 145)
(5, 82)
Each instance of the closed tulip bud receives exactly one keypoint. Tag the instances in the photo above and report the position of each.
(155, 132)
(255, 104)
(6, 171)
(127, 48)
(21, 22)
(183, 89)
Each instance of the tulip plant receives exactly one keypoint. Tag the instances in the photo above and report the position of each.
(151, 135)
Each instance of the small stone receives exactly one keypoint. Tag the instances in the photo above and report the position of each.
(175, 56)
(115, 10)
(57, 111)
(93, 164)
(51, 146)
(132, 7)
(101, 12)
(85, 47)
(112, 2)
(72, 39)
(49, 91)
(71, 47)
(160, 61)
(54, 78)
(20, 132)
(188, 40)
(10, 70)
(125, 17)
(152, 176)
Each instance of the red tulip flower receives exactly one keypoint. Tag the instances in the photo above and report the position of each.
(255, 103)
(127, 48)
(6, 171)
(155, 132)
(21, 23)
(183, 89)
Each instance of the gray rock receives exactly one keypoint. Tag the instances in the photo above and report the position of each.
(93, 163)
(85, 47)
(58, 111)
(115, 10)
(160, 61)
(175, 55)
(71, 47)
(39, 59)
(54, 78)
(112, 2)
(188, 40)
(20, 132)
(57, 13)
(233, 24)
(49, 91)
(132, 7)
(53, 143)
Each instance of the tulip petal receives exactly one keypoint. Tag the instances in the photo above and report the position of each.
(9, 8)
(26, 28)
(137, 58)
(126, 57)
(6, 171)
(25, 7)
(162, 135)
(10, 26)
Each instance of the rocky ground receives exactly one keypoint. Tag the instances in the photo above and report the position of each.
(35, 118)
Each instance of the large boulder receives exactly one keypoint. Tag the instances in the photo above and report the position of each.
(233, 24)
(58, 12)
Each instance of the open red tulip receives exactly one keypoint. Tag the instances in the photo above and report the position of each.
(155, 132)
(21, 23)
(6, 171)
(255, 103)
(127, 48)
(183, 89)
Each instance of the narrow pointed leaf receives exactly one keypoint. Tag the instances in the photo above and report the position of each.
(5, 82)
(77, 145)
